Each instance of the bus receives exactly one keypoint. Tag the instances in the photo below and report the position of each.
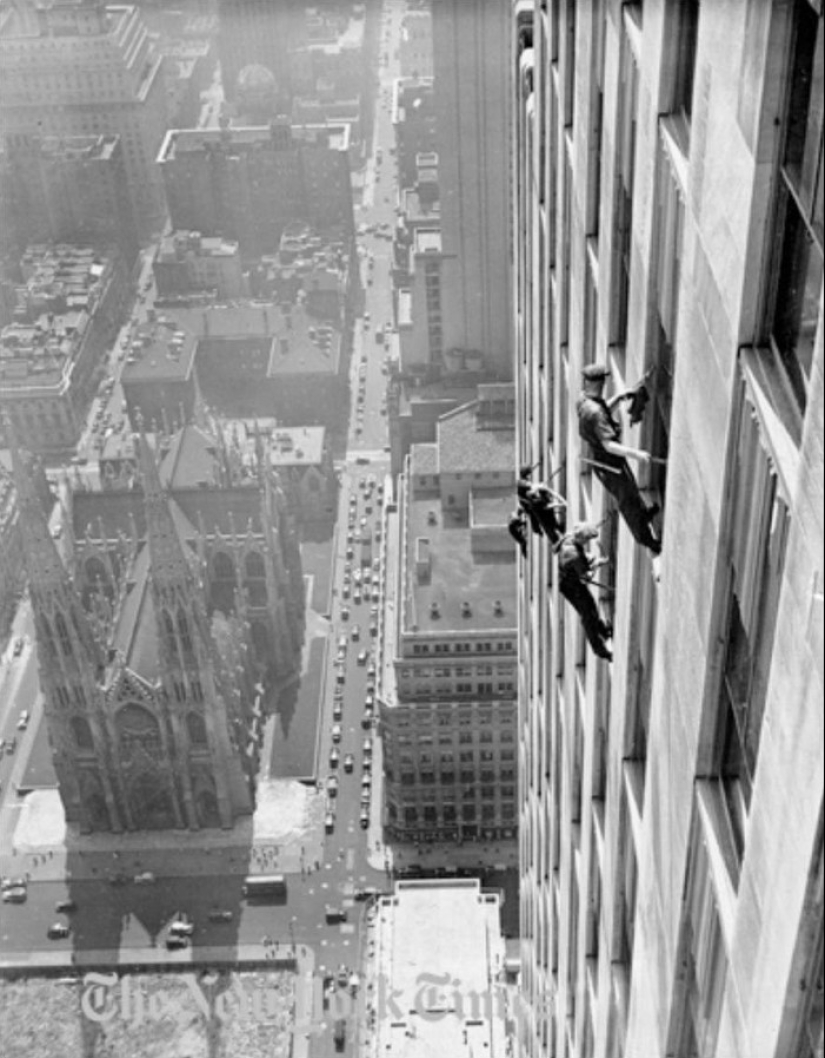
(261, 885)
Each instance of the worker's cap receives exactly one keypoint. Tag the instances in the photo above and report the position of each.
(595, 372)
(525, 470)
(585, 531)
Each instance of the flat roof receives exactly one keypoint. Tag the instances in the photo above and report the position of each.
(427, 240)
(159, 349)
(450, 931)
(468, 444)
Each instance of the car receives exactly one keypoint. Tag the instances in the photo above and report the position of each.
(369, 892)
(337, 710)
(65, 906)
(356, 596)
(367, 718)
(366, 747)
(332, 786)
(376, 594)
(368, 508)
(57, 931)
(219, 915)
(19, 643)
(366, 764)
(340, 677)
(11, 745)
(181, 928)
(335, 914)
(349, 762)
(357, 576)
(345, 594)
(175, 943)
(18, 895)
(362, 657)
(366, 784)
(329, 822)
(356, 632)
(23, 721)
(371, 669)
(144, 878)
(334, 757)
(343, 643)
(336, 732)
(373, 629)
(364, 818)
(13, 883)
(345, 611)
(369, 700)
(350, 552)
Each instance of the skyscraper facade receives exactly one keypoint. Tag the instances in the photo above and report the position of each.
(87, 69)
(667, 218)
(472, 119)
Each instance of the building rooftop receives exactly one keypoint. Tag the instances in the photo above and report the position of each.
(468, 443)
(159, 350)
(427, 240)
(63, 287)
(181, 243)
(244, 139)
(448, 931)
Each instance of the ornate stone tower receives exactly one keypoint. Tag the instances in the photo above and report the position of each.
(71, 670)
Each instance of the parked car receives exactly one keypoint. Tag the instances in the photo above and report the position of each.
(367, 718)
(23, 721)
(335, 914)
(13, 883)
(57, 931)
(363, 656)
(181, 928)
(337, 710)
(334, 757)
(336, 732)
(332, 786)
(364, 818)
(18, 895)
(349, 762)
(329, 822)
(145, 878)
(65, 906)
(19, 643)
(218, 915)
(175, 943)
(356, 632)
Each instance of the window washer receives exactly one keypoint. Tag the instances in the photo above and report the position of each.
(540, 503)
(603, 433)
(576, 568)
(517, 528)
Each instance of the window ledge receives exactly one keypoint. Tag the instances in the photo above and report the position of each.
(633, 772)
(779, 420)
(724, 864)
(675, 144)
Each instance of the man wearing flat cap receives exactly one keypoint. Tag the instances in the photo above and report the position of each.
(599, 428)
(540, 504)
(576, 568)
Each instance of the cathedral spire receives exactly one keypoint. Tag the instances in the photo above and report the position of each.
(169, 561)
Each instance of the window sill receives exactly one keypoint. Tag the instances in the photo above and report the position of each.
(779, 419)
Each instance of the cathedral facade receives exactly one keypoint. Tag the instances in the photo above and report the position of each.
(177, 606)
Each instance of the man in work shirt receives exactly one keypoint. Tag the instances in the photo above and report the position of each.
(540, 503)
(576, 568)
(609, 456)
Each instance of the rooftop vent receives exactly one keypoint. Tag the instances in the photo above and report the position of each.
(431, 518)
(435, 609)
(498, 609)
(466, 609)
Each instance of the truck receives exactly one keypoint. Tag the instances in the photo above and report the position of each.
(366, 547)
(263, 885)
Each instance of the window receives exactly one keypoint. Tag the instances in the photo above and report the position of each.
(63, 634)
(759, 532)
(798, 264)
(685, 37)
(185, 637)
(623, 193)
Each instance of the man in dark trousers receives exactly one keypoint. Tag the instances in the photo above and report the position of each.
(576, 568)
(540, 503)
(609, 456)
(517, 528)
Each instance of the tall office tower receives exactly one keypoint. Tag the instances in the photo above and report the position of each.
(448, 692)
(81, 68)
(668, 224)
(258, 33)
(248, 184)
(473, 144)
(71, 190)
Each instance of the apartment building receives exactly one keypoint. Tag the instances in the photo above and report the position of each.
(667, 217)
(448, 712)
(87, 69)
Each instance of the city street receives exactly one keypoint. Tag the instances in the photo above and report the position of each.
(114, 914)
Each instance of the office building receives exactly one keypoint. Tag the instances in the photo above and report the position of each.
(473, 144)
(448, 689)
(70, 189)
(667, 217)
(68, 308)
(186, 261)
(249, 184)
(413, 120)
(87, 69)
(415, 48)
